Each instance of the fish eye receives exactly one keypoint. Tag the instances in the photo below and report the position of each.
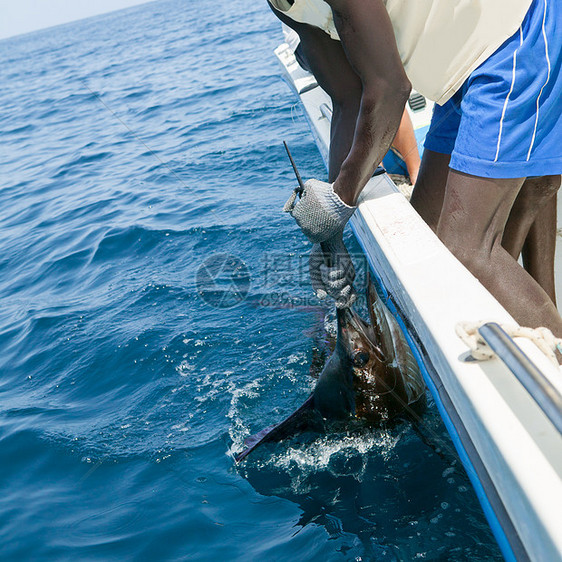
(360, 358)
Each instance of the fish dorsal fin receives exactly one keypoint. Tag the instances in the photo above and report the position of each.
(394, 345)
(377, 315)
(385, 327)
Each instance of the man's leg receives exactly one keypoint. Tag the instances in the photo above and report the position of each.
(531, 230)
(539, 250)
(472, 223)
(429, 191)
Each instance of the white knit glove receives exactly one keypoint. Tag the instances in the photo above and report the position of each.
(320, 213)
(332, 272)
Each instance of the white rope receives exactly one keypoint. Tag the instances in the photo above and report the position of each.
(543, 338)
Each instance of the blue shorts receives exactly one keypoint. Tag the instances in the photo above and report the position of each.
(505, 121)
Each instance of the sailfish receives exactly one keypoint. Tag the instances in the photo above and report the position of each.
(371, 375)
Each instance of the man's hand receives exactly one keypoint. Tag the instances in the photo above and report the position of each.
(320, 213)
(332, 272)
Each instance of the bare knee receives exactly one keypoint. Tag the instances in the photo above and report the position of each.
(537, 191)
(474, 252)
(546, 185)
(475, 259)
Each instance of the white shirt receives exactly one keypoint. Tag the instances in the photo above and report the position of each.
(440, 42)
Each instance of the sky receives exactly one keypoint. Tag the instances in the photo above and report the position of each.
(22, 16)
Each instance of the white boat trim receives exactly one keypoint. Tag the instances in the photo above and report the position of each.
(511, 451)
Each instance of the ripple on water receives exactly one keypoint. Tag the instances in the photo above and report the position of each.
(140, 143)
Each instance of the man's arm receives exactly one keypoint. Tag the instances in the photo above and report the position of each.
(368, 40)
(366, 83)
(326, 59)
(369, 93)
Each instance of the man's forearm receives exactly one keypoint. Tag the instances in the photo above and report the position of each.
(342, 132)
(378, 120)
(368, 40)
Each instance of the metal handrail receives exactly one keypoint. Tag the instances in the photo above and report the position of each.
(543, 392)
(326, 111)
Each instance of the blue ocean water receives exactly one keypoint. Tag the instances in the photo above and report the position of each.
(138, 149)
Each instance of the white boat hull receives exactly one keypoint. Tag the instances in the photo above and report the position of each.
(510, 449)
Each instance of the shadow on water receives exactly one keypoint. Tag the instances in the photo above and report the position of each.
(392, 492)
(384, 493)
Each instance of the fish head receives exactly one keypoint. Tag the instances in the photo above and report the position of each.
(370, 368)
(386, 378)
(354, 357)
(358, 341)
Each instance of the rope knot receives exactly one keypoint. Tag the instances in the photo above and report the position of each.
(542, 337)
